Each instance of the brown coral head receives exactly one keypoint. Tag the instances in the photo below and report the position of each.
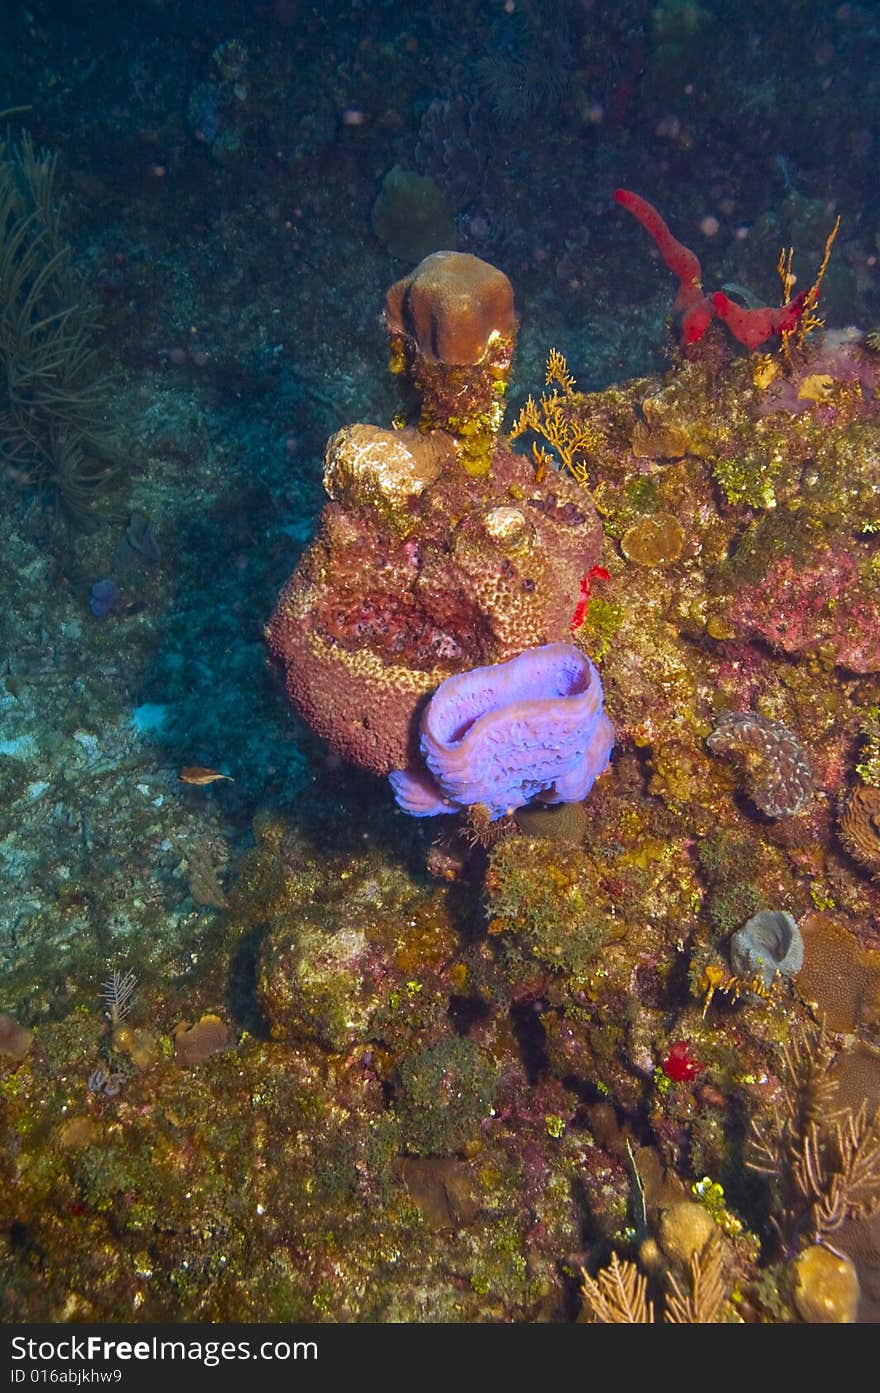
(15, 1039)
(452, 306)
(195, 1043)
(411, 215)
(840, 977)
(860, 827)
(654, 541)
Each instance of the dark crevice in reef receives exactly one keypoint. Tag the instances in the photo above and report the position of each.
(531, 1039)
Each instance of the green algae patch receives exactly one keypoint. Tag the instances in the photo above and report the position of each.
(443, 1096)
(543, 903)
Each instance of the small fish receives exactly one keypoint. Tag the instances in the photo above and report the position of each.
(195, 774)
(784, 168)
(746, 297)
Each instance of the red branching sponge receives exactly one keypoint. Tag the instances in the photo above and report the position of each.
(682, 263)
(750, 327)
(696, 320)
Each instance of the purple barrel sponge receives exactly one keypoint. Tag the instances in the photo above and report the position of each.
(532, 728)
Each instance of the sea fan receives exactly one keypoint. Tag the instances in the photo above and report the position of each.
(117, 994)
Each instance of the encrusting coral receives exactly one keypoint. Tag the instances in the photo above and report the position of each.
(777, 773)
(826, 1287)
(859, 826)
(371, 621)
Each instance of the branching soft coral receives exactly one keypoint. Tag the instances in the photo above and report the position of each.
(824, 1165)
(53, 390)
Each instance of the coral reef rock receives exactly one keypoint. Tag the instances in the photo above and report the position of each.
(421, 570)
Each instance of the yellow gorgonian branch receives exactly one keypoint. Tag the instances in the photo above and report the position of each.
(714, 979)
(551, 419)
(808, 319)
(557, 371)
